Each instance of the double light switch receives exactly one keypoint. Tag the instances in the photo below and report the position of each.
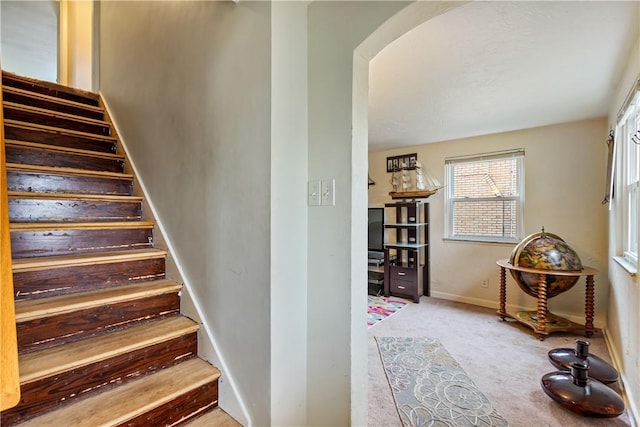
(321, 192)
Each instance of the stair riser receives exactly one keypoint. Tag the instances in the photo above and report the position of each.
(13, 113)
(20, 98)
(27, 244)
(66, 280)
(69, 327)
(62, 210)
(181, 407)
(20, 83)
(35, 156)
(58, 183)
(19, 133)
(40, 396)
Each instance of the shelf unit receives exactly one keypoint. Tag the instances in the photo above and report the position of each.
(406, 252)
(376, 276)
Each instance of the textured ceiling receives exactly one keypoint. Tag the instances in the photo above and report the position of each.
(494, 66)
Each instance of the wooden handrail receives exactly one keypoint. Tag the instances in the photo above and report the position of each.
(9, 374)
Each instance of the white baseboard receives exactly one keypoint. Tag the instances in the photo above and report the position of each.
(597, 322)
(630, 401)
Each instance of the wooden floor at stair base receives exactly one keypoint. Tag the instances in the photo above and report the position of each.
(216, 417)
(140, 402)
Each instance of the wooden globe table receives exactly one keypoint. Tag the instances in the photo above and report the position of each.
(542, 321)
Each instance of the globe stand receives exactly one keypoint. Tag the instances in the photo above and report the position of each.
(546, 323)
(550, 319)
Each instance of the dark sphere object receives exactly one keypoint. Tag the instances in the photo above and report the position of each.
(544, 251)
(576, 392)
(562, 358)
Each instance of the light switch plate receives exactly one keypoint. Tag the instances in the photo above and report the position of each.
(328, 192)
(313, 192)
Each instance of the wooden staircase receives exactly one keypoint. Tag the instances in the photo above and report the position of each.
(100, 337)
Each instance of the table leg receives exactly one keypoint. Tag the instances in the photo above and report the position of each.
(502, 312)
(542, 305)
(589, 307)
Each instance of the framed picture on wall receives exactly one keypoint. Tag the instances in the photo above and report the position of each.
(395, 163)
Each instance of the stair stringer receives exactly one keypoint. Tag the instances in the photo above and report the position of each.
(229, 399)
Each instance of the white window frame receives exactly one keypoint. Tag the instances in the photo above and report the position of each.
(450, 200)
(627, 132)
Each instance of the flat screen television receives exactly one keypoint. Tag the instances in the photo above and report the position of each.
(376, 230)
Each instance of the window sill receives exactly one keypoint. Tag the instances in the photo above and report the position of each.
(483, 241)
(628, 266)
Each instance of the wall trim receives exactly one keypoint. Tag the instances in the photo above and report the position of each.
(192, 296)
(597, 321)
(632, 408)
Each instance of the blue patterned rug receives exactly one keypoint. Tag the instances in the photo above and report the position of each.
(430, 388)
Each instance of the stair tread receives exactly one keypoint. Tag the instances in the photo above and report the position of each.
(20, 167)
(54, 360)
(35, 226)
(47, 147)
(48, 85)
(47, 262)
(56, 114)
(59, 130)
(118, 405)
(73, 196)
(27, 310)
(50, 98)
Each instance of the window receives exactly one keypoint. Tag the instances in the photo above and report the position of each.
(484, 196)
(628, 141)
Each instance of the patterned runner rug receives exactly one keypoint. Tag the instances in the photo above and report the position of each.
(379, 308)
(430, 388)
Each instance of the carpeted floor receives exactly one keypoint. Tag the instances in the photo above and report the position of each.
(503, 359)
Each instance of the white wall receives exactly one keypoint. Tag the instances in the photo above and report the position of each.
(289, 140)
(29, 38)
(337, 235)
(564, 185)
(189, 84)
(623, 319)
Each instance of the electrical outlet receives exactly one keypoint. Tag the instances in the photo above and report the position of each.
(485, 284)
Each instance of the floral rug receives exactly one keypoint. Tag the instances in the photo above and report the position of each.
(430, 388)
(379, 308)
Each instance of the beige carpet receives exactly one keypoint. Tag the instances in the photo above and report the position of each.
(504, 360)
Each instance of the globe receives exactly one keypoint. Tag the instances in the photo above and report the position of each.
(544, 251)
